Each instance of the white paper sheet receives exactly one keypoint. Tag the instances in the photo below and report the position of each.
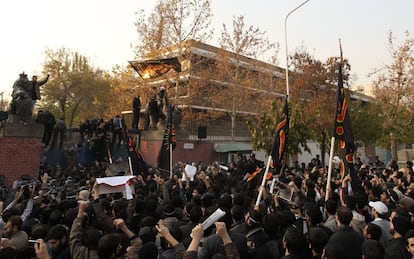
(191, 172)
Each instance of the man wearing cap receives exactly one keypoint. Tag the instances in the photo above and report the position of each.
(380, 213)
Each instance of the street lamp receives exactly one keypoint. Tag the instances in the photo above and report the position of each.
(286, 45)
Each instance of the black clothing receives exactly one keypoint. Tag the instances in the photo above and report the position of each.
(397, 249)
(59, 131)
(214, 245)
(272, 249)
(136, 108)
(36, 88)
(349, 240)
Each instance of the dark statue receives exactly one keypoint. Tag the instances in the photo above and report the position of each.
(20, 106)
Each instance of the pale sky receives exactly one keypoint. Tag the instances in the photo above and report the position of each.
(103, 30)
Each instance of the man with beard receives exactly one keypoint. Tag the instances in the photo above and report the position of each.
(399, 226)
(58, 240)
(13, 235)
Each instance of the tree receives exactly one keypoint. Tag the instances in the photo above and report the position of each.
(264, 128)
(395, 94)
(75, 86)
(241, 83)
(366, 126)
(123, 89)
(312, 100)
(173, 22)
(313, 89)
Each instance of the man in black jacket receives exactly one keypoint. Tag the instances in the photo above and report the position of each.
(345, 236)
(399, 226)
(36, 89)
(136, 108)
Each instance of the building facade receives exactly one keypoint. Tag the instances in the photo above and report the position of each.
(215, 93)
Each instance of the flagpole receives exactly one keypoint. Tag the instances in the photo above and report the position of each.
(328, 180)
(272, 186)
(259, 196)
(171, 161)
(286, 45)
(130, 166)
(109, 155)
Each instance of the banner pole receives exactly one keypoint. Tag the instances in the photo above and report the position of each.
(328, 180)
(171, 161)
(259, 196)
(130, 166)
(109, 155)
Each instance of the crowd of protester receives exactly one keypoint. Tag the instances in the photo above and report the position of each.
(62, 214)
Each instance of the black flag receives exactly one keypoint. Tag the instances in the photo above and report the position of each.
(154, 68)
(280, 141)
(138, 164)
(343, 131)
(169, 141)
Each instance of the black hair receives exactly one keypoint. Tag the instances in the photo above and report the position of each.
(331, 206)
(295, 241)
(334, 252)
(344, 215)
(57, 232)
(225, 201)
(372, 249)
(196, 214)
(315, 215)
(374, 230)
(108, 246)
(350, 202)
(16, 221)
(271, 225)
(408, 235)
(318, 238)
(9, 213)
(91, 237)
(237, 212)
(148, 251)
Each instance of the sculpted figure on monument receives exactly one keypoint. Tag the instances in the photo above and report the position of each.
(20, 106)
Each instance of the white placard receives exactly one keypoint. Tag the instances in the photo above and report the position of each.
(191, 172)
(113, 184)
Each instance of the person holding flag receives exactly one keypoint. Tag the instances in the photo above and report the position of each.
(343, 132)
(278, 147)
(136, 159)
